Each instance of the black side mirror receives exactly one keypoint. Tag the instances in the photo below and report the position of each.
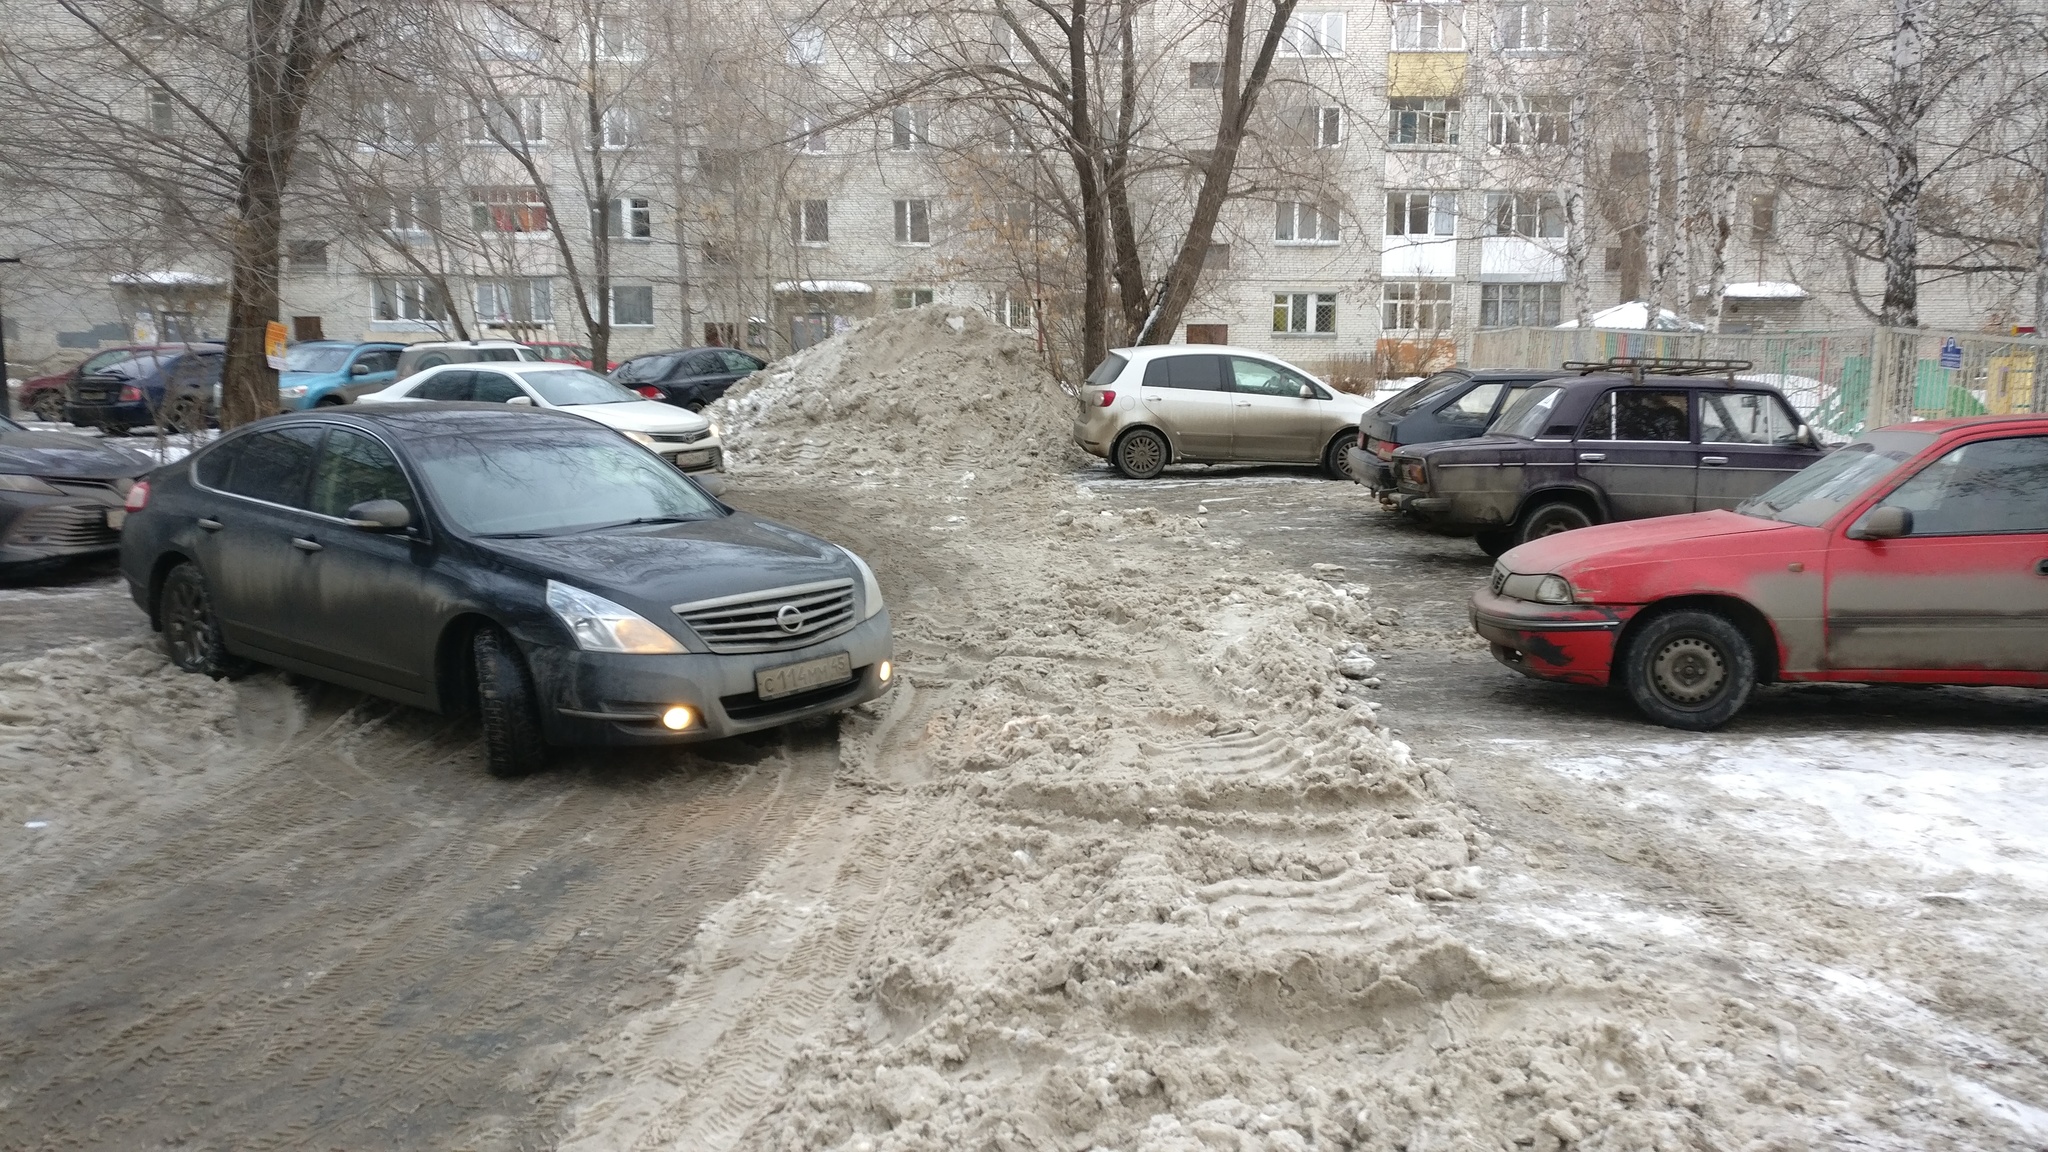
(1884, 522)
(379, 516)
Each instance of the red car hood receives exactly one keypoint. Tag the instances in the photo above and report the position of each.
(1609, 561)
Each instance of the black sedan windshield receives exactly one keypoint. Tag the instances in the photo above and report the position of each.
(1810, 497)
(554, 483)
(643, 370)
(565, 386)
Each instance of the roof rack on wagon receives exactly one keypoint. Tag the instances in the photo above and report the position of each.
(1637, 367)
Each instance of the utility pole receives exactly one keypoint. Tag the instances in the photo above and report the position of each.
(6, 397)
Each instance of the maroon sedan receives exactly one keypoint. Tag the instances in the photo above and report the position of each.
(1917, 554)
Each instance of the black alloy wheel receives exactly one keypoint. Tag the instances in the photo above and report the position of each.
(1141, 454)
(507, 706)
(1689, 669)
(191, 630)
(1548, 519)
(1336, 459)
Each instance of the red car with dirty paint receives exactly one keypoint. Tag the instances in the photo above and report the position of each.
(1917, 554)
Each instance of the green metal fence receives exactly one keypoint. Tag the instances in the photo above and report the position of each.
(1842, 380)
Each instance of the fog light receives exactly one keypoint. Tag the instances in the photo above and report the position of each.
(678, 718)
(884, 670)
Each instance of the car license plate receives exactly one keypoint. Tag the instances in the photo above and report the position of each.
(790, 679)
(691, 459)
(116, 517)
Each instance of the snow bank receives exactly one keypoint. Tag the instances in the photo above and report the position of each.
(925, 390)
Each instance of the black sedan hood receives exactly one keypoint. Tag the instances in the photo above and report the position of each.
(655, 567)
(62, 455)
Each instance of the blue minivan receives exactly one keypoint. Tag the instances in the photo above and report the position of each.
(316, 372)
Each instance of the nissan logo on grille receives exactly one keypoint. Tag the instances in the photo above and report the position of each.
(789, 618)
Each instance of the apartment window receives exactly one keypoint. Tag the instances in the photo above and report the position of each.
(913, 221)
(1308, 313)
(307, 255)
(1763, 215)
(506, 38)
(1315, 34)
(1205, 74)
(394, 123)
(909, 127)
(1534, 215)
(1423, 121)
(617, 39)
(1429, 28)
(1216, 258)
(1013, 134)
(899, 42)
(515, 301)
(807, 44)
(1521, 305)
(408, 299)
(514, 120)
(1015, 220)
(810, 222)
(618, 127)
(1527, 26)
(1316, 127)
(808, 135)
(163, 111)
(1415, 305)
(913, 297)
(414, 211)
(632, 306)
(1516, 121)
(1013, 310)
(629, 218)
(508, 209)
(1300, 222)
(1422, 214)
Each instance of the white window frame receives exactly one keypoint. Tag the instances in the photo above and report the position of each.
(913, 297)
(1327, 126)
(1447, 111)
(1525, 25)
(1405, 304)
(1315, 34)
(617, 38)
(527, 114)
(1442, 208)
(808, 137)
(1427, 27)
(526, 301)
(914, 223)
(630, 218)
(1531, 215)
(410, 300)
(806, 213)
(1548, 305)
(483, 215)
(1304, 313)
(612, 309)
(619, 129)
(1015, 311)
(1517, 121)
(160, 110)
(1304, 222)
(806, 45)
(406, 213)
(910, 128)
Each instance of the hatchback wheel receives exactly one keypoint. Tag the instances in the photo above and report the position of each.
(1141, 454)
(331, 400)
(48, 406)
(191, 630)
(1550, 519)
(507, 705)
(185, 414)
(1336, 459)
(1689, 669)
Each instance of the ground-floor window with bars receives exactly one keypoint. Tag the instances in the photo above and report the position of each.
(1415, 306)
(1305, 312)
(1520, 305)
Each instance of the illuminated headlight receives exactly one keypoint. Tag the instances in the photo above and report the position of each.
(1553, 590)
(295, 392)
(716, 430)
(602, 626)
(10, 483)
(678, 718)
(870, 590)
(640, 438)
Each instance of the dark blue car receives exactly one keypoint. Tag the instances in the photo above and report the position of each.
(176, 388)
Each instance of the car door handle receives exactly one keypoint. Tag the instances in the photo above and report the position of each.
(305, 544)
(211, 525)
(1244, 403)
(1592, 457)
(1713, 459)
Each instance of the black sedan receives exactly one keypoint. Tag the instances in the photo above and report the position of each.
(534, 566)
(176, 388)
(60, 494)
(689, 377)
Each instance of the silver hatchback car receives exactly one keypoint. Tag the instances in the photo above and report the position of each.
(1145, 408)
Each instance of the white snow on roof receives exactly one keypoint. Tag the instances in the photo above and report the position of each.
(1765, 290)
(1635, 316)
(851, 287)
(166, 278)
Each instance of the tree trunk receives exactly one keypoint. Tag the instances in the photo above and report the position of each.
(1654, 260)
(2041, 283)
(600, 324)
(1724, 229)
(1578, 234)
(1899, 230)
(1085, 149)
(1133, 292)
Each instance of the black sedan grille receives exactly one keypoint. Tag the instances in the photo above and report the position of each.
(772, 621)
(63, 526)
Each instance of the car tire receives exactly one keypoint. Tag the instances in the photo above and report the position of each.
(1141, 454)
(1335, 465)
(1688, 669)
(1550, 518)
(49, 406)
(507, 706)
(331, 400)
(184, 414)
(192, 638)
(1494, 541)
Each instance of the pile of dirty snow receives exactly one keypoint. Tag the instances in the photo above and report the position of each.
(923, 390)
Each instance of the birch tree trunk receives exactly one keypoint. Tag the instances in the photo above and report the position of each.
(1724, 229)
(1654, 257)
(1899, 226)
(1578, 234)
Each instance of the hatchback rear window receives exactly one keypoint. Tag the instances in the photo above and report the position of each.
(1106, 372)
(1407, 401)
(1527, 415)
